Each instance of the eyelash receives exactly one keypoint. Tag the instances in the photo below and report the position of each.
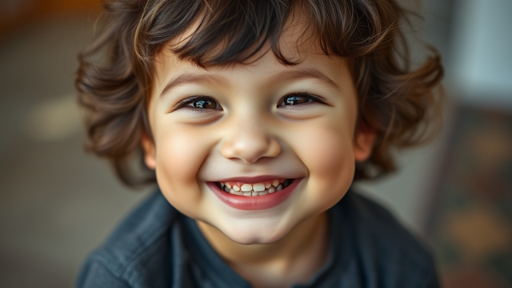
(310, 98)
(189, 103)
(285, 101)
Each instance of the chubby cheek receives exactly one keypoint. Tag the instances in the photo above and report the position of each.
(326, 150)
(179, 156)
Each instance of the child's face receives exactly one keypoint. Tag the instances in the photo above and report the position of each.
(255, 124)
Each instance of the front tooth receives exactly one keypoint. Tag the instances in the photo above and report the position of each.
(236, 188)
(275, 183)
(258, 187)
(247, 193)
(246, 187)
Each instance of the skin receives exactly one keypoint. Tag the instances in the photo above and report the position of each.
(246, 131)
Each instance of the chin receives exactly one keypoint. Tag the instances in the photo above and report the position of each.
(248, 235)
(254, 239)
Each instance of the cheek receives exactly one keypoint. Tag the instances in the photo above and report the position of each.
(179, 156)
(326, 149)
(328, 153)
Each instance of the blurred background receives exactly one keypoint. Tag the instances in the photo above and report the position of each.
(57, 203)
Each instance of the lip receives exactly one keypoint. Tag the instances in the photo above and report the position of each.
(253, 202)
(252, 180)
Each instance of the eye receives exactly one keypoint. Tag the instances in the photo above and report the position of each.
(199, 103)
(295, 99)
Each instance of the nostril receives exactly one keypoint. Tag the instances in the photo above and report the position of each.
(251, 148)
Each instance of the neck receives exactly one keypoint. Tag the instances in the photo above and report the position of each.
(293, 259)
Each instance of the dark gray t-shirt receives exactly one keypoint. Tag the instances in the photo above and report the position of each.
(157, 247)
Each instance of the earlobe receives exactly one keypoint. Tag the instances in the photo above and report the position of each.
(149, 151)
(364, 141)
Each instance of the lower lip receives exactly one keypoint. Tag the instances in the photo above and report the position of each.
(254, 202)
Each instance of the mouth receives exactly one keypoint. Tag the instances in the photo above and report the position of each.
(252, 195)
(254, 189)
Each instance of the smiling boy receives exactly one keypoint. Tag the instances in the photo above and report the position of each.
(256, 117)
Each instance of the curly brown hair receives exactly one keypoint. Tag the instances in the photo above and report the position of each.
(395, 99)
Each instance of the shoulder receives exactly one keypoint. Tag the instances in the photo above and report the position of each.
(135, 251)
(372, 219)
(385, 248)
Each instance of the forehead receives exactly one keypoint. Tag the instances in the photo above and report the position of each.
(264, 74)
(296, 43)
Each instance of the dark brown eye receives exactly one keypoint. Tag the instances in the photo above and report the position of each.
(298, 99)
(199, 102)
(204, 104)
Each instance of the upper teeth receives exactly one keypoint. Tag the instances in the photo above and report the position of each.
(254, 189)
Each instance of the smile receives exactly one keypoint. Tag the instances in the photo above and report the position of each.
(254, 189)
(254, 195)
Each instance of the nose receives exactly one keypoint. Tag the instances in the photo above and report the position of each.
(249, 140)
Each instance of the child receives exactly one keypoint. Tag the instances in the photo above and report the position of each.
(256, 117)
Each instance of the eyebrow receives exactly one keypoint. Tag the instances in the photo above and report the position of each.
(187, 78)
(304, 73)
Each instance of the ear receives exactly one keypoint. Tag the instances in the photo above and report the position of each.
(149, 151)
(363, 142)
